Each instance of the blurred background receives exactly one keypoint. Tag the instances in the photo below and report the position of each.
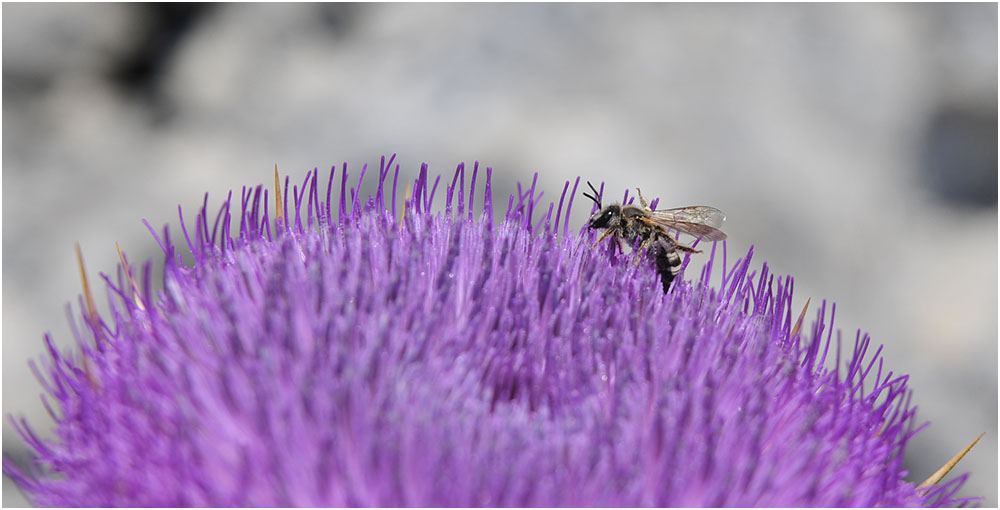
(855, 146)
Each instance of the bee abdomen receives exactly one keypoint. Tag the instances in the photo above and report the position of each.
(668, 264)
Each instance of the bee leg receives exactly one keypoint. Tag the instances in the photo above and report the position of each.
(641, 250)
(642, 200)
(599, 239)
(675, 245)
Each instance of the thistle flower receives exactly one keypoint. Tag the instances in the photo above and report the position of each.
(355, 355)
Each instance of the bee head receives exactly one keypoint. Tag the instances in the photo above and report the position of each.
(606, 217)
(603, 216)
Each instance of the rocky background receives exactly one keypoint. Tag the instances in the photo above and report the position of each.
(855, 146)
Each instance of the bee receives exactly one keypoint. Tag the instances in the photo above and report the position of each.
(631, 224)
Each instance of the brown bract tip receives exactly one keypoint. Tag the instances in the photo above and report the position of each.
(406, 196)
(277, 194)
(945, 469)
(87, 296)
(133, 288)
(798, 323)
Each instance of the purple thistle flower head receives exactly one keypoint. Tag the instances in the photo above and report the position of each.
(359, 355)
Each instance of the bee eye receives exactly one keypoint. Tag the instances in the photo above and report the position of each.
(601, 219)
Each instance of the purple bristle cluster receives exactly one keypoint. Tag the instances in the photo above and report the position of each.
(356, 354)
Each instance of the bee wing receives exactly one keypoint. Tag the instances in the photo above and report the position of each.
(700, 221)
(702, 214)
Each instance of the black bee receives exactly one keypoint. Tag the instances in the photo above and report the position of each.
(630, 224)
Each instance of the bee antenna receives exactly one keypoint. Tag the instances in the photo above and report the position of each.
(596, 197)
(596, 201)
(592, 188)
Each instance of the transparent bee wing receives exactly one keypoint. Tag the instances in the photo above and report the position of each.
(703, 214)
(698, 230)
(700, 221)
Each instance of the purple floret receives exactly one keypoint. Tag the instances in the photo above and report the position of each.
(338, 356)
